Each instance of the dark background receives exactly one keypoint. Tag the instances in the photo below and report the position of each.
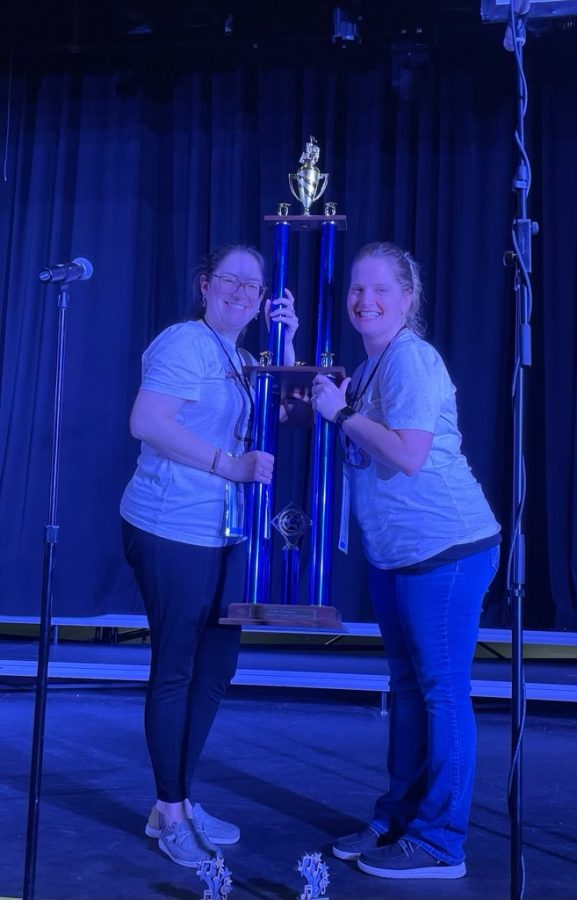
(141, 134)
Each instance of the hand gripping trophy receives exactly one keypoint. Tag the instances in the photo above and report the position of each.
(308, 183)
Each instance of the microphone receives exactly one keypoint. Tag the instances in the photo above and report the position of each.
(79, 269)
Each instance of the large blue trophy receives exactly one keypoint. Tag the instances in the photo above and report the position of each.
(272, 380)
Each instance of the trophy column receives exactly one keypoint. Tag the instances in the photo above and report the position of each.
(267, 395)
(324, 436)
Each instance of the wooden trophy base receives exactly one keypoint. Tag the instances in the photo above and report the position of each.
(290, 377)
(284, 616)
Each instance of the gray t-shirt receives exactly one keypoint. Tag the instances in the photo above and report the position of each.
(171, 499)
(406, 519)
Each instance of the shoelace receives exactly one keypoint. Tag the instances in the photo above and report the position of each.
(407, 847)
(206, 843)
(180, 836)
(199, 814)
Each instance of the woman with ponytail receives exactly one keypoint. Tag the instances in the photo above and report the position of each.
(432, 544)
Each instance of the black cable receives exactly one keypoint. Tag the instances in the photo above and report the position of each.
(522, 232)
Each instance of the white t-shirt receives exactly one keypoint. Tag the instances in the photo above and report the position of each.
(171, 499)
(406, 519)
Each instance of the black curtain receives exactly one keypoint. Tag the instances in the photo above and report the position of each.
(143, 167)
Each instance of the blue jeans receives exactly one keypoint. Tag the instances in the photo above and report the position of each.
(429, 623)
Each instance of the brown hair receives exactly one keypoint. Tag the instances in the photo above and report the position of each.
(407, 275)
(208, 267)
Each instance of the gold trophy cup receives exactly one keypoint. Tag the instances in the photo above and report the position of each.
(308, 183)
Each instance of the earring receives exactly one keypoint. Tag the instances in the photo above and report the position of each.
(257, 314)
(204, 300)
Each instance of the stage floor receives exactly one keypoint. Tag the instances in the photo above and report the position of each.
(294, 769)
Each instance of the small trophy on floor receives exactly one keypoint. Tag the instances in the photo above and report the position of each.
(316, 872)
(215, 874)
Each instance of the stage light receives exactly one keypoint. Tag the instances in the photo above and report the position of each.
(345, 26)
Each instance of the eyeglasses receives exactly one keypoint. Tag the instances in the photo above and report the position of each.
(230, 284)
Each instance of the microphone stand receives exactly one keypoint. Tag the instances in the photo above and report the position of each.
(522, 233)
(50, 541)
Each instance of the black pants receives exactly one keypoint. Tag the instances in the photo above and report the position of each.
(185, 589)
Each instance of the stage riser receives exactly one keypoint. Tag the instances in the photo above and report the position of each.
(352, 629)
(277, 678)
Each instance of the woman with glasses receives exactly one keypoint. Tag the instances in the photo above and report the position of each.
(431, 541)
(183, 529)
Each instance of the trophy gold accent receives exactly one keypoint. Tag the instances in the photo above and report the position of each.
(292, 523)
(308, 183)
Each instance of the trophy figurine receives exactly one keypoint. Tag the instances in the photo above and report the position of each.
(308, 183)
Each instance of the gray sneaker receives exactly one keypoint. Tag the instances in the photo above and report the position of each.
(403, 859)
(353, 845)
(182, 844)
(213, 830)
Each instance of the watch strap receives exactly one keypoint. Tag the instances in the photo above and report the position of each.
(343, 414)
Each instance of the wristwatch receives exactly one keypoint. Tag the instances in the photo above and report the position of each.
(343, 414)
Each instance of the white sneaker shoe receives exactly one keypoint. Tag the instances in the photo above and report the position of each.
(215, 830)
(182, 845)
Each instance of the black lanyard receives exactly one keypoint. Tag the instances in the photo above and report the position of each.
(241, 380)
(359, 394)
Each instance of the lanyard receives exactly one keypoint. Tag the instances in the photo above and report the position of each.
(363, 457)
(359, 394)
(241, 380)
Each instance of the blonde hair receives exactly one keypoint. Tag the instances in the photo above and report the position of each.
(407, 271)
